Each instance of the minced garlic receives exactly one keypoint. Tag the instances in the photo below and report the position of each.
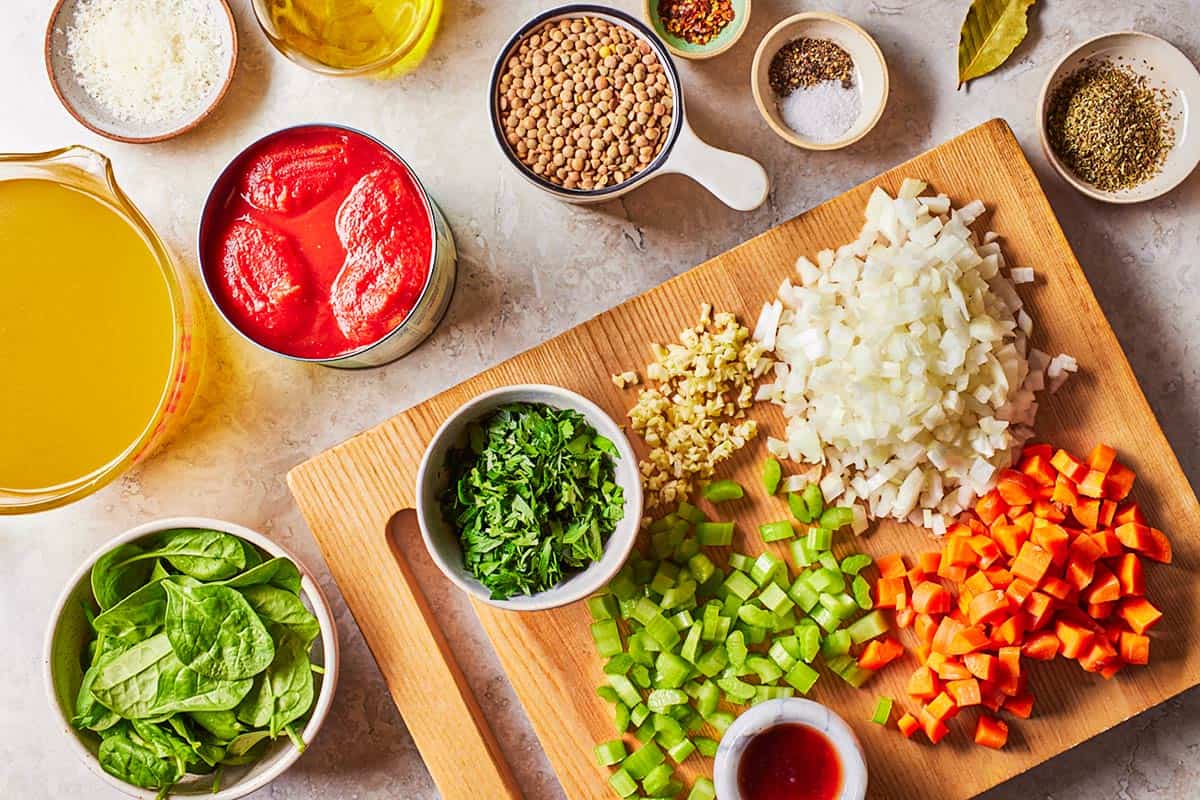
(695, 417)
(628, 378)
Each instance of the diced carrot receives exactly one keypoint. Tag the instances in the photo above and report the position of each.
(1119, 481)
(968, 640)
(1018, 590)
(1038, 468)
(925, 627)
(990, 506)
(987, 550)
(1042, 646)
(1038, 607)
(1009, 681)
(1057, 588)
(880, 652)
(1064, 492)
(1099, 655)
(935, 729)
(1075, 638)
(991, 732)
(958, 552)
(1105, 587)
(891, 566)
(1159, 547)
(915, 576)
(1084, 548)
(1133, 535)
(947, 629)
(1140, 613)
(1130, 575)
(951, 669)
(999, 577)
(983, 666)
(965, 692)
(1043, 449)
(1009, 537)
(1045, 509)
(930, 598)
(964, 601)
(1108, 512)
(977, 583)
(1020, 705)
(922, 652)
(1112, 669)
(955, 573)
(1079, 573)
(1069, 466)
(942, 707)
(1135, 648)
(1016, 488)
(1130, 512)
(1087, 513)
(1109, 544)
(988, 607)
(1010, 631)
(1032, 563)
(905, 618)
(1052, 538)
(1092, 484)
(1101, 458)
(908, 725)
(887, 590)
(930, 561)
(1101, 610)
(923, 684)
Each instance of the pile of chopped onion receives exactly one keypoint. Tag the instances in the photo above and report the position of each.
(904, 367)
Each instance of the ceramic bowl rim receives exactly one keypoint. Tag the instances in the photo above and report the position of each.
(310, 589)
(205, 113)
(623, 537)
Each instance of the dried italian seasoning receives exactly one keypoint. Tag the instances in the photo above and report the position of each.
(1109, 126)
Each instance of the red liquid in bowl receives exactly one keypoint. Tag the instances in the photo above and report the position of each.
(321, 244)
(790, 762)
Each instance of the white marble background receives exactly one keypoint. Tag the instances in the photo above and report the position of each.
(531, 267)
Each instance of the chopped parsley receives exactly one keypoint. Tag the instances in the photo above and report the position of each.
(532, 496)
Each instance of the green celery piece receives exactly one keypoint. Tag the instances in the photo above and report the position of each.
(640, 675)
(626, 691)
(679, 595)
(810, 642)
(813, 500)
(713, 661)
(801, 677)
(801, 554)
(707, 699)
(610, 752)
(664, 577)
(754, 634)
(720, 491)
(835, 518)
(883, 711)
(790, 643)
(841, 605)
(683, 620)
(849, 671)
(645, 732)
(619, 664)
(775, 599)
(645, 610)
(856, 563)
(691, 643)
(766, 669)
(712, 613)
(740, 584)
(819, 539)
(707, 747)
(637, 649)
(686, 549)
(658, 779)
(829, 561)
(689, 512)
(827, 580)
(740, 562)
(720, 720)
(799, 509)
(835, 644)
(664, 523)
(776, 531)
(714, 534)
(671, 671)
(802, 592)
(867, 627)
(607, 637)
(756, 617)
(608, 694)
(779, 654)
(667, 730)
(643, 571)
(772, 474)
(644, 759)
(639, 713)
(828, 621)
(621, 717)
(662, 631)
(692, 688)
(627, 606)
(765, 568)
(680, 751)
(862, 593)
(735, 688)
(603, 606)
(702, 789)
(735, 648)
(701, 568)
(623, 783)
(785, 621)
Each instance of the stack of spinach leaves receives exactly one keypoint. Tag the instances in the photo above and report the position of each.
(200, 657)
(532, 497)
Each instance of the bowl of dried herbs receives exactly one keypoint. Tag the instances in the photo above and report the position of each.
(529, 497)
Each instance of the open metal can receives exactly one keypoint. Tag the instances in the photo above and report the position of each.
(430, 305)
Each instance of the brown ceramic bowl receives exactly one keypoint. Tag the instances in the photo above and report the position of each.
(80, 105)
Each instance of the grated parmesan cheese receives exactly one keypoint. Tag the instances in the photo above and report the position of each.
(149, 62)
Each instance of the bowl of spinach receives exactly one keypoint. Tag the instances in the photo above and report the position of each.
(191, 656)
(529, 497)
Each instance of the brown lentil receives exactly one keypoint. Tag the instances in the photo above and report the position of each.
(584, 103)
(806, 62)
(695, 21)
(1109, 126)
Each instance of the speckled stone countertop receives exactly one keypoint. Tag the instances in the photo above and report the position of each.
(531, 267)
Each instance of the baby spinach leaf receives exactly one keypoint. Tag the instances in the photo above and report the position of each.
(138, 616)
(118, 573)
(277, 607)
(133, 763)
(214, 631)
(246, 748)
(159, 572)
(284, 692)
(162, 742)
(223, 725)
(252, 557)
(200, 553)
(89, 713)
(148, 680)
(279, 571)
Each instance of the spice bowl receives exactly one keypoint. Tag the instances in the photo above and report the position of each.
(869, 75)
(1166, 70)
(852, 783)
(726, 38)
(94, 116)
(442, 541)
(736, 180)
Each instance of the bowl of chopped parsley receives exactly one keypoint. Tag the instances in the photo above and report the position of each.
(529, 497)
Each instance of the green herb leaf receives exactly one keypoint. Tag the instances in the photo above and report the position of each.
(214, 631)
(990, 33)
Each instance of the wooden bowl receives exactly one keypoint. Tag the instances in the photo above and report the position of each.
(724, 40)
(80, 105)
(870, 74)
(1165, 67)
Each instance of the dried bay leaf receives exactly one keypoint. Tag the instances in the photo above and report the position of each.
(990, 33)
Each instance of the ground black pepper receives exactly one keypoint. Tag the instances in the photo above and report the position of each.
(805, 62)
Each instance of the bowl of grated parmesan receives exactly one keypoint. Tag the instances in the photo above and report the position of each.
(141, 70)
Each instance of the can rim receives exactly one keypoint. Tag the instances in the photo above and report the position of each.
(209, 208)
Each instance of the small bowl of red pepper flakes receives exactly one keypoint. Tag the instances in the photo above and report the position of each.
(698, 28)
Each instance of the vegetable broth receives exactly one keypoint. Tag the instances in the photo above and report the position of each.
(87, 334)
(790, 762)
(350, 34)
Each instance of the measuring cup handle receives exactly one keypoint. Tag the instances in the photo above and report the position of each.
(737, 181)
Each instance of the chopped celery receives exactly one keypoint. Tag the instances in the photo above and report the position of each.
(801, 677)
(671, 671)
(756, 617)
(828, 621)
(691, 644)
(775, 599)
(862, 593)
(720, 491)
(663, 632)
(829, 561)
(663, 523)
(740, 562)
(835, 518)
(714, 534)
(640, 675)
(623, 783)
(754, 634)
(848, 670)
(784, 659)
(804, 594)
(679, 752)
(608, 694)
(619, 664)
(689, 512)
(813, 500)
(607, 636)
(603, 606)
(707, 747)
(713, 661)
(701, 567)
(646, 758)
(765, 568)
(639, 713)
(645, 732)
(645, 610)
(623, 586)
(735, 688)
(679, 595)
(766, 669)
(841, 605)
(835, 644)
(810, 642)
(867, 627)
(735, 648)
(686, 549)
(801, 554)
(883, 711)
(799, 509)
(626, 691)
(683, 620)
(610, 752)
(776, 531)
(819, 539)
(702, 789)
(772, 474)
(730, 607)
(707, 698)
(621, 717)
(643, 571)
(740, 584)
(827, 580)
(720, 720)
(667, 730)
(658, 779)
(855, 563)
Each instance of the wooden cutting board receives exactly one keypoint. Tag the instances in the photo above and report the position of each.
(349, 493)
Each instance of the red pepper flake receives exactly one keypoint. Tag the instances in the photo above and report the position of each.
(695, 21)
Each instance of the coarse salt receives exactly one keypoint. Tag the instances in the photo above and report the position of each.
(822, 112)
(148, 62)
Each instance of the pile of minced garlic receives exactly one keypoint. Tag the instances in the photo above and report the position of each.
(148, 62)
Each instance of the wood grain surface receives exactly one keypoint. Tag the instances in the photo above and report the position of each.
(348, 494)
